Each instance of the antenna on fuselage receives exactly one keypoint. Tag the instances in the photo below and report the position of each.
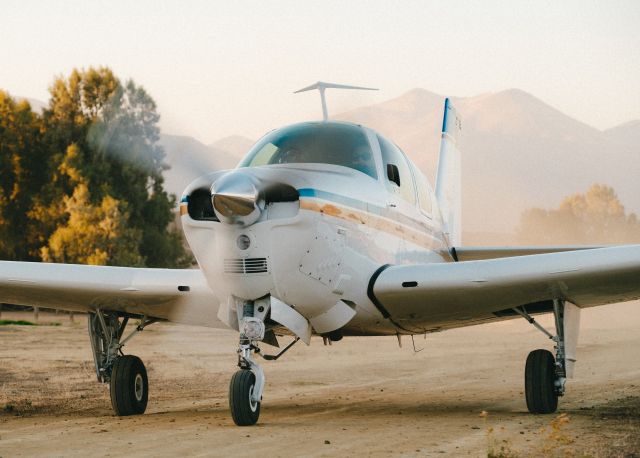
(321, 86)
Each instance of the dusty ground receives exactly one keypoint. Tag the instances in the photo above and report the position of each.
(361, 396)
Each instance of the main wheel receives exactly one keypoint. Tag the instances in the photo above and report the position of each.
(539, 382)
(245, 412)
(129, 386)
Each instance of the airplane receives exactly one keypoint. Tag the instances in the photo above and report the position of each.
(326, 228)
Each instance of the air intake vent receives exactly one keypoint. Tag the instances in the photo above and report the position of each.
(246, 266)
(200, 207)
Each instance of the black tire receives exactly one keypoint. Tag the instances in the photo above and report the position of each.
(129, 386)
(243, 411)
(539, 382)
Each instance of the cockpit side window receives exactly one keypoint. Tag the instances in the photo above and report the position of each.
(315, 143)
(398, 179)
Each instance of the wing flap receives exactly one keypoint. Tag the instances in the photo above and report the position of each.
(457, 294)
(180, 295)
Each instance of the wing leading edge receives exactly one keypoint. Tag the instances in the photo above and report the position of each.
(471, 253)
(439, 296)
(179, 295)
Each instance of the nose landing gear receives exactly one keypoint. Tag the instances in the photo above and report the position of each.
(247, 384)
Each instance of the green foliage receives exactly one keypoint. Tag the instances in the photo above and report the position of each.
(596, 217)
(93, 234)
(16, 323)
(21, 171)
(82, 183)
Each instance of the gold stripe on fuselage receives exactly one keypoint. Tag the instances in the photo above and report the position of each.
(373, 221)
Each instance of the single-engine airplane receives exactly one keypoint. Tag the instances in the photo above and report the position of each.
(327, 228)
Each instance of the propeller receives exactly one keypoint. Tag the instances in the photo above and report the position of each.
(237, 198)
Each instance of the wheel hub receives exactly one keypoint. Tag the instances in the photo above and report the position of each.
(252, 404)
(138, 387)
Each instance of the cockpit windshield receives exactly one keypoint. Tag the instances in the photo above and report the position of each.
(316, 143)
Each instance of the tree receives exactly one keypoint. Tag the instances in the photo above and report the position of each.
(93, 234)
(104, 136)
(86, 173)
(22, 174)
(596, 217)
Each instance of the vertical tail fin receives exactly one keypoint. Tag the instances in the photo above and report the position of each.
(448, 179)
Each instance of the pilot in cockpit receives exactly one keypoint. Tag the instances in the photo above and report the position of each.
(290, 156)
(362, 160)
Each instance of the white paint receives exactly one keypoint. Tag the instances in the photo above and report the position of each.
(296, 323)
(334, 318)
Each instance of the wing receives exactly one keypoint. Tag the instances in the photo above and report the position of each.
(471, 253)
(430, 297)
(179, 295)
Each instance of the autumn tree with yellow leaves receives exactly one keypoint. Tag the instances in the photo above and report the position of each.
(594, 218)
(22, 170)
(82, 183)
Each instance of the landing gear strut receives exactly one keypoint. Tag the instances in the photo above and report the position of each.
(545, 376)
(247, 384)
(126, 374)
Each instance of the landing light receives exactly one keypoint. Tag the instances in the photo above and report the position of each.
(252, 328)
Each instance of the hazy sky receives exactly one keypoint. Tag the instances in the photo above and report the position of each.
(218, 68)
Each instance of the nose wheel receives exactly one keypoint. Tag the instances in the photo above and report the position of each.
(245, 409)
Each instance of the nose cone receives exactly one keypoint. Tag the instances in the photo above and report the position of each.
(236, 198)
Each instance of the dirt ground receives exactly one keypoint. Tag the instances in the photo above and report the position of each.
(461, 394)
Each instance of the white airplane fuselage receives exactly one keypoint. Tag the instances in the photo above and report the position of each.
(319, 250)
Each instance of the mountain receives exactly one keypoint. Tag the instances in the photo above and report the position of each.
(188, 159)
(626, 135)
(517, 152)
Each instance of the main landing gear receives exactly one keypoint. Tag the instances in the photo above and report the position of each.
(126, 374)
(546, 375)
